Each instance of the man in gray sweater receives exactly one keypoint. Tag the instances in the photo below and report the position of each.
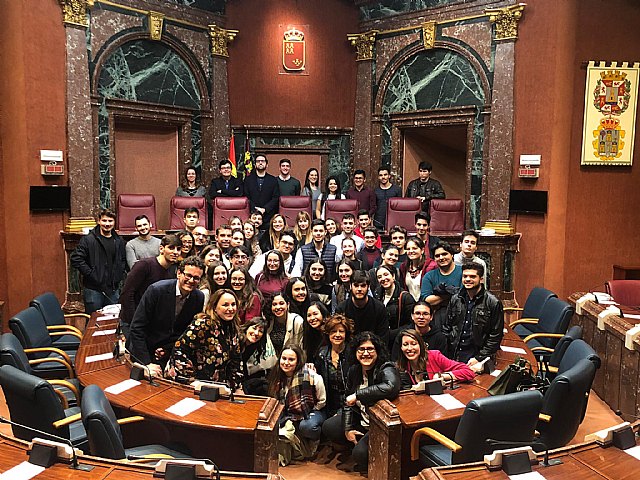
(144, 245)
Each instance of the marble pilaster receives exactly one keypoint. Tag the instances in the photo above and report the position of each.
(500, 160)
(220, 109)
(79, 122)
(362, 120)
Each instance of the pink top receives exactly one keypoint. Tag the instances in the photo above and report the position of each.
(438, 363)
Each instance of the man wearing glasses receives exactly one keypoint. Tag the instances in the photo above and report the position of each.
(201, 238)
(262, 190)
(164, 312)
(287, 246)
(430, 333)
(226, 185)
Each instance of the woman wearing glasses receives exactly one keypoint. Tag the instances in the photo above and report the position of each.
(372, 377)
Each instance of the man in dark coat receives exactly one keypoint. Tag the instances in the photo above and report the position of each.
(262, 191)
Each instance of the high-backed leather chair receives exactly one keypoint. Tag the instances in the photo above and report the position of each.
(178, 205)
(402, 212)
(554, 319)
(291, 205)
(486, 424)
(103, 429)
(566, 403)
(12, 353)
(55, 319)
(33, 402)
(447, 216)
(226, 207)
(337, 208)
(555, 355)
(576, 351)
(625, 292)
(130, 205)
(29, 327)
(538, 297)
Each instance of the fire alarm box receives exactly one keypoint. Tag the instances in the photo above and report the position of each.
(52, 169)
(529, 166)
(54, 164)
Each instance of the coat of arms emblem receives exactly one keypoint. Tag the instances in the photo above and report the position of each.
(293, 50)
(611, 98)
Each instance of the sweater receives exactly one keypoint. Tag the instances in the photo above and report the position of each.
(137, 249)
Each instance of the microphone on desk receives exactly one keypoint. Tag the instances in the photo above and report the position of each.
(232, 385)
(74, 457)
(137, 367)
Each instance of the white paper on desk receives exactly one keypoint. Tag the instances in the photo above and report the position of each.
(527, 476)
(22, 471)
(448, 401)
(104, 332)
(633, 451)
(506, 348)
(495, 373)
(185, 406)
(122, 386)
(106, 317)
(629, 315)
(97, 358)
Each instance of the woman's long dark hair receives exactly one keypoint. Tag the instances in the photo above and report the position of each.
(280, 273)
(213, 286)
(277, 378)
(313, 338)
(307, 183)
(245, 296)
(326, 193)
(260, 346)
(185, 182)
(311, 284)
(423, 358)
(294, 306)
(378, 344)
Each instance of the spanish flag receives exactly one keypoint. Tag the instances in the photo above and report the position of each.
(232, 156)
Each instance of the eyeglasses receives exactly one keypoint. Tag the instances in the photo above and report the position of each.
(422, 314)
(240, 257)
(366, 349)
(190, 277)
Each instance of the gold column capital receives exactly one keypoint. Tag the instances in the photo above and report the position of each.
(364, 43)
(506, 21)
(156, 19)
(74, 12)
(220, 39)
(429, 35)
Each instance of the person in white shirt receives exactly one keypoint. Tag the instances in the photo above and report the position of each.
(467, 253)
(286, 247)
(348, 227)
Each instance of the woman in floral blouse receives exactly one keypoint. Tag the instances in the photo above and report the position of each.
(209, 349)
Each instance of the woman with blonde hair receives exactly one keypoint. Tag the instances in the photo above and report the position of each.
(302, 229)
(271, 238)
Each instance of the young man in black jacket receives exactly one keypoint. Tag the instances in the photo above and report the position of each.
(100, 257)
(475, 321)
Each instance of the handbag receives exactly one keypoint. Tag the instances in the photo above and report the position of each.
(511, 378)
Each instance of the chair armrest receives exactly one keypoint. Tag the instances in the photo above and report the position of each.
(67, 420)
(64, 327)
(544, 417)
(435, 435)
(512, 309)
(71, 315)
(552, 369)
(62, 397)
(542, 335)
(60, 352)
(69, 385)
(124, 421)
(524, 321)
(38, 361)
(542, 349)
(59, 333)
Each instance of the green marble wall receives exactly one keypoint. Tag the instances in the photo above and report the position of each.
(386, 8)
(144, 71)
(215, 6)
(431, 80)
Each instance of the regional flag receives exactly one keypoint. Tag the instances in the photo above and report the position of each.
(232, 157)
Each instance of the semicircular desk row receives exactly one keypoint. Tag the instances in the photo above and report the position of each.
(244, 437)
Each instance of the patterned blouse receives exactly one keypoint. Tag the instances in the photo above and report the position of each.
(208, 350)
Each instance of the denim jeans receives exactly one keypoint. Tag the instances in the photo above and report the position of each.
(311, 427)
(95, 300)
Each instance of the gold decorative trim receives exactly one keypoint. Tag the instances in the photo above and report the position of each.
(156, 19)
(74, 12)
(364, 43)
(429, 35)
(501, 227)
(506, 21)
(220, 39)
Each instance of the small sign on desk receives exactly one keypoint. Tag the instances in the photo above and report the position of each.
(185, 406)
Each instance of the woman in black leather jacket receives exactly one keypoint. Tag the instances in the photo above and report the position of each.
(372, 377)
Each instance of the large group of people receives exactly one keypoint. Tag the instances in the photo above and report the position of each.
(314, 314)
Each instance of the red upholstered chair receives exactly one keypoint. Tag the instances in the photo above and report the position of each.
(291, 205)
(226, 207)
(130, 205)
(625, 292)
(447, 216)
(337, 208)
(179, 204)
(402, 211)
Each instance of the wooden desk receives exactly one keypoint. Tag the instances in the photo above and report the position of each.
(617, 382)
(585, 461)
(392, 423)
(14, 452)
(235, 436)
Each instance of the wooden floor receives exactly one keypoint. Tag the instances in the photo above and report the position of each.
(329, 465)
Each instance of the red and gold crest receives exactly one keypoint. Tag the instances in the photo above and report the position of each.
(293, 50)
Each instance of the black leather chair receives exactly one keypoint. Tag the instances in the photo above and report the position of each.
(12, 353)
(554, 319)
(536, 300)
(33, 402)
(487, 424)
(554, 355)
(28, 325)
(576, 351)
(55, 320)
(565, 402)
(103, 429)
